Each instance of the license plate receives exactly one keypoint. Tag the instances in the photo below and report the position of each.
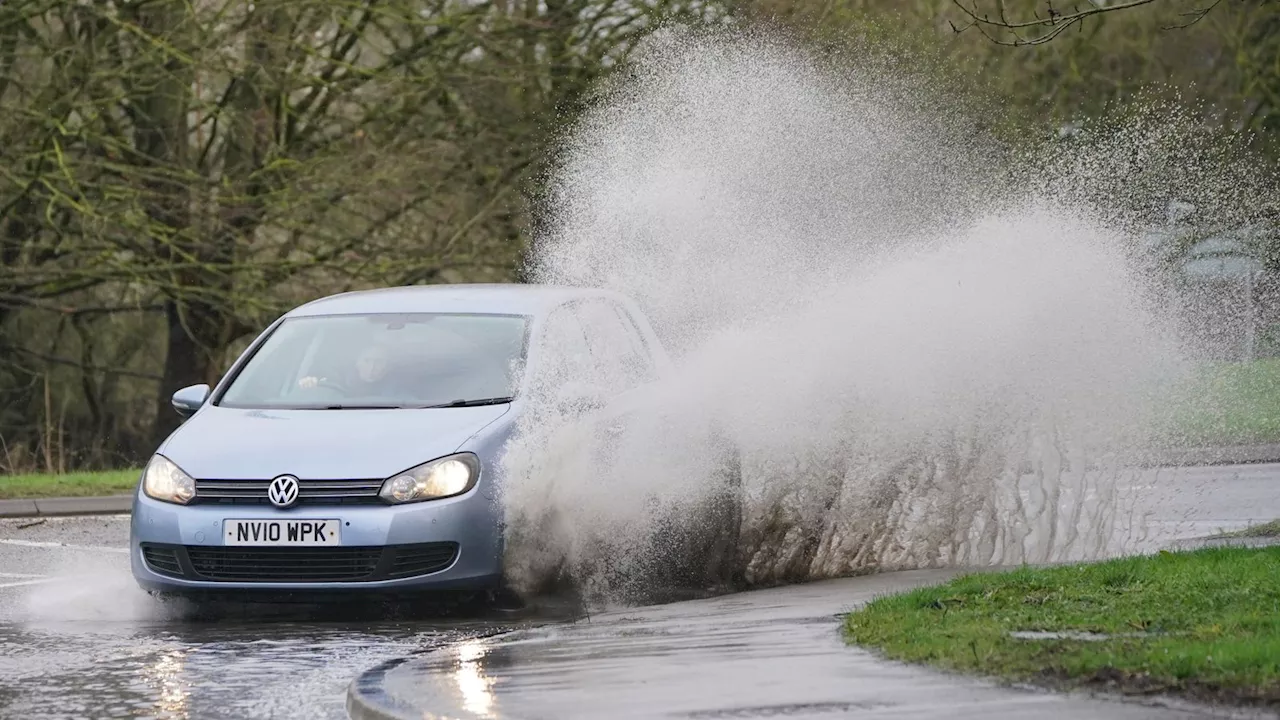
(295, 533)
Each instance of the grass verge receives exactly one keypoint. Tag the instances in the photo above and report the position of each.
(87, 484)
(1203, 625)
(1229, 404)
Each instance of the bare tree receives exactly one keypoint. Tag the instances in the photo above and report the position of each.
(175, 174)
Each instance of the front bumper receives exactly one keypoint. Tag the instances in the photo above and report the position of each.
(467, 526)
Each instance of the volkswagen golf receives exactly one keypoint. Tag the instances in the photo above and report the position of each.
(354, 445)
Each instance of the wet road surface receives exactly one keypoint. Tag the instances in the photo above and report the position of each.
(778, 652)
(771, 653)
(79, 640)
(1198, 501)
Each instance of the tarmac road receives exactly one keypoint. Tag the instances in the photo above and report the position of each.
(79, 640)
(1197, 501)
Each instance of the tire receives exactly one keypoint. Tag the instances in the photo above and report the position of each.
(697, 554)
(720, 543)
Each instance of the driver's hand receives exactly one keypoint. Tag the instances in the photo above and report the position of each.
(309, 381)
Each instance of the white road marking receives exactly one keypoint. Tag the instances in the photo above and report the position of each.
(20, 575)
(62, 546)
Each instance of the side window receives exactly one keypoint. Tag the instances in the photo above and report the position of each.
(621, 361)
(643, 358)
(565, 347)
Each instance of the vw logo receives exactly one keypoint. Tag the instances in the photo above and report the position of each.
(283, 491)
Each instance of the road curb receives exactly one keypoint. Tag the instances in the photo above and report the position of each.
(1225, 541)
(1233, 455)
(51, 507)
(367, 698)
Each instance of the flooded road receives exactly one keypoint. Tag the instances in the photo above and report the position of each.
(238, 671)
(79, 640)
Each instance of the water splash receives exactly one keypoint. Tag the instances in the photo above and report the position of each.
(925, 357)
(74, 597)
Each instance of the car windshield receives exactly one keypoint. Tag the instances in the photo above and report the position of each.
(383, 361)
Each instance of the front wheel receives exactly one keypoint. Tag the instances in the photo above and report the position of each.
(696, 551)
(504, 599)
(723, 530)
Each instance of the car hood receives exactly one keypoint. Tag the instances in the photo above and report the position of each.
(234, 444)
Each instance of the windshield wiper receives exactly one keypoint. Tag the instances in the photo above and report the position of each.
(470, 403)
(454, 404)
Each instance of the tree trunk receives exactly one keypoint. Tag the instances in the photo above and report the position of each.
(186, 361)
(201, 316)
(160, 136)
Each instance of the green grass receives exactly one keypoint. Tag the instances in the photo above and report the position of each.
(1208, 624)
(1230, 404)
(112, 482)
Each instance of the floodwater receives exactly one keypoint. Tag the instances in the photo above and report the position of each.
(886, 310)
(79, 640)
(244, 670)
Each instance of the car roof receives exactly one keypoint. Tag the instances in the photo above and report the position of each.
(490, 298)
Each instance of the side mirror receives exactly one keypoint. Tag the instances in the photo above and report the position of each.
(189, 399)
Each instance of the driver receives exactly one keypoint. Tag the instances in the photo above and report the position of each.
(370, 376)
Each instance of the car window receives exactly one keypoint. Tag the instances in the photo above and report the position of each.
(641, 348)
(621, 363)
(382, 360)
(566, 355)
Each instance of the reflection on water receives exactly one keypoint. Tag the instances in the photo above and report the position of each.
(166, 677)
(185, 672)
(475, 686)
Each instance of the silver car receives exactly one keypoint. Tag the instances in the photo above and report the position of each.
(353, 446)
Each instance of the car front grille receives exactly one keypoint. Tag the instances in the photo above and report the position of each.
(299, 565)
(310, 492)
(336, 564)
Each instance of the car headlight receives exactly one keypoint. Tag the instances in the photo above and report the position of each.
(440, 478)
(163, 480)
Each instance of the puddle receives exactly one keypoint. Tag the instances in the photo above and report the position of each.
(186, 671)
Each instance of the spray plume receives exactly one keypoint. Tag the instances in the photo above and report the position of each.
(926, 355)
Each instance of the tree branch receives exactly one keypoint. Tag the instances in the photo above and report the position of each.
(1195, 15)
(1049, 27)
(55, 360)
(11, 300)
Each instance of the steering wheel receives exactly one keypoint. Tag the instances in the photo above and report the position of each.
(325, 384)
(328, 384)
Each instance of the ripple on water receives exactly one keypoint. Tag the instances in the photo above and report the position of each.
(192, 671)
